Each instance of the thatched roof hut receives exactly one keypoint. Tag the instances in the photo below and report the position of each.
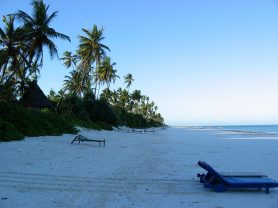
(34, 97)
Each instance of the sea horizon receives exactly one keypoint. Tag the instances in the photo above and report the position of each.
(253, 128)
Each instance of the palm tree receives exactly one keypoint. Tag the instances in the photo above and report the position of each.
(25, 75)
(38, 33)
(21, 49)
(71, 82)
(91, 49)
(106, 72)
(77, 83)
(69, 61)
(128, 80)
(123, 98)
(106, 94)
(10, 46)
(136, 95)
(11, 57)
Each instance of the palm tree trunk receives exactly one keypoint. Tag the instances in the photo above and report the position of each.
(62, 95)
(4, 71)
(98, 90)
(96, 79)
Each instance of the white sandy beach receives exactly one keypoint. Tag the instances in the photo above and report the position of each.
(133, 170)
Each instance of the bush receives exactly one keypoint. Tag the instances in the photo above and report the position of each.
(99, 114)
(132, 120)
(73, 105)
(8, 132)
(104, 113)
(17, 122)
(88, 111)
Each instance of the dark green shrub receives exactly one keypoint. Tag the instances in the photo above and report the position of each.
(132, 120)
(104, 113)
(8, 132)
(17, 122)
(100, 111)
(104, 126)
(73, 105)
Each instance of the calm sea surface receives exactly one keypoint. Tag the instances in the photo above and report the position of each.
(271, 129)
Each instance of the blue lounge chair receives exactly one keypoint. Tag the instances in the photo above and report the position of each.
(204, 178)
(222, 183)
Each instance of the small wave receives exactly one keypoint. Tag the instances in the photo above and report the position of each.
(253, 129)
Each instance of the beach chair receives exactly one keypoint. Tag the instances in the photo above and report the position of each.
(80, 138)
(122, 130)
(140, 131)
(205, 177)
(222, 183)
(149, 131)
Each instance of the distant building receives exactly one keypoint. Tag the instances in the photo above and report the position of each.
(34, 97)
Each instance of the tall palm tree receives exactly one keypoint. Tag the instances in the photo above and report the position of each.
(10, 46)
(128, 80)
(69, 61)
(77, 83)
(38, 32)
(106, 72)
(25, 75)
(71, 83)
(11, 57)
(123, 98)
(114, 99)
(91, 49)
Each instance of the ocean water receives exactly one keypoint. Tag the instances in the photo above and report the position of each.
(269, 129)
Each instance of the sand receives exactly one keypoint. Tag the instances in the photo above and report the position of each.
(133, 170)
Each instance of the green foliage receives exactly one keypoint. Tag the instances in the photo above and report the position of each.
(85, 123)
(136, 121)
(73, 105)
(17, 122)
(21, 57)
(132, 120)
(104, 113)
(89, 110)
(128, 80)
(134, 109)
(53, 97)
(8, 132)
(21, 48)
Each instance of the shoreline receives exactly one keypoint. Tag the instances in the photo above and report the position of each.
(133, 170)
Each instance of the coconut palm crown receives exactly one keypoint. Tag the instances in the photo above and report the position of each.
(128, 80)
(106, 72)
(38, 32)
(90, 47)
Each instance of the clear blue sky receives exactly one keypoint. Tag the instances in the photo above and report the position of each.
(202, 62)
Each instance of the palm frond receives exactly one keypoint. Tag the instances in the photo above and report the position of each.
(51, 47)
(51, 17)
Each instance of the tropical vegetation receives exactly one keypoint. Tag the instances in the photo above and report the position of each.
(86, 98)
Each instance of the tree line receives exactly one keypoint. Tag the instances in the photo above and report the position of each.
(92, 71)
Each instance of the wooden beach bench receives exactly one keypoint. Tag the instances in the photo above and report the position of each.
(142, 131)
(80, 138)
(222, 183)
(134, 130)
(149, 131)
(121, 130)
(137, 131)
